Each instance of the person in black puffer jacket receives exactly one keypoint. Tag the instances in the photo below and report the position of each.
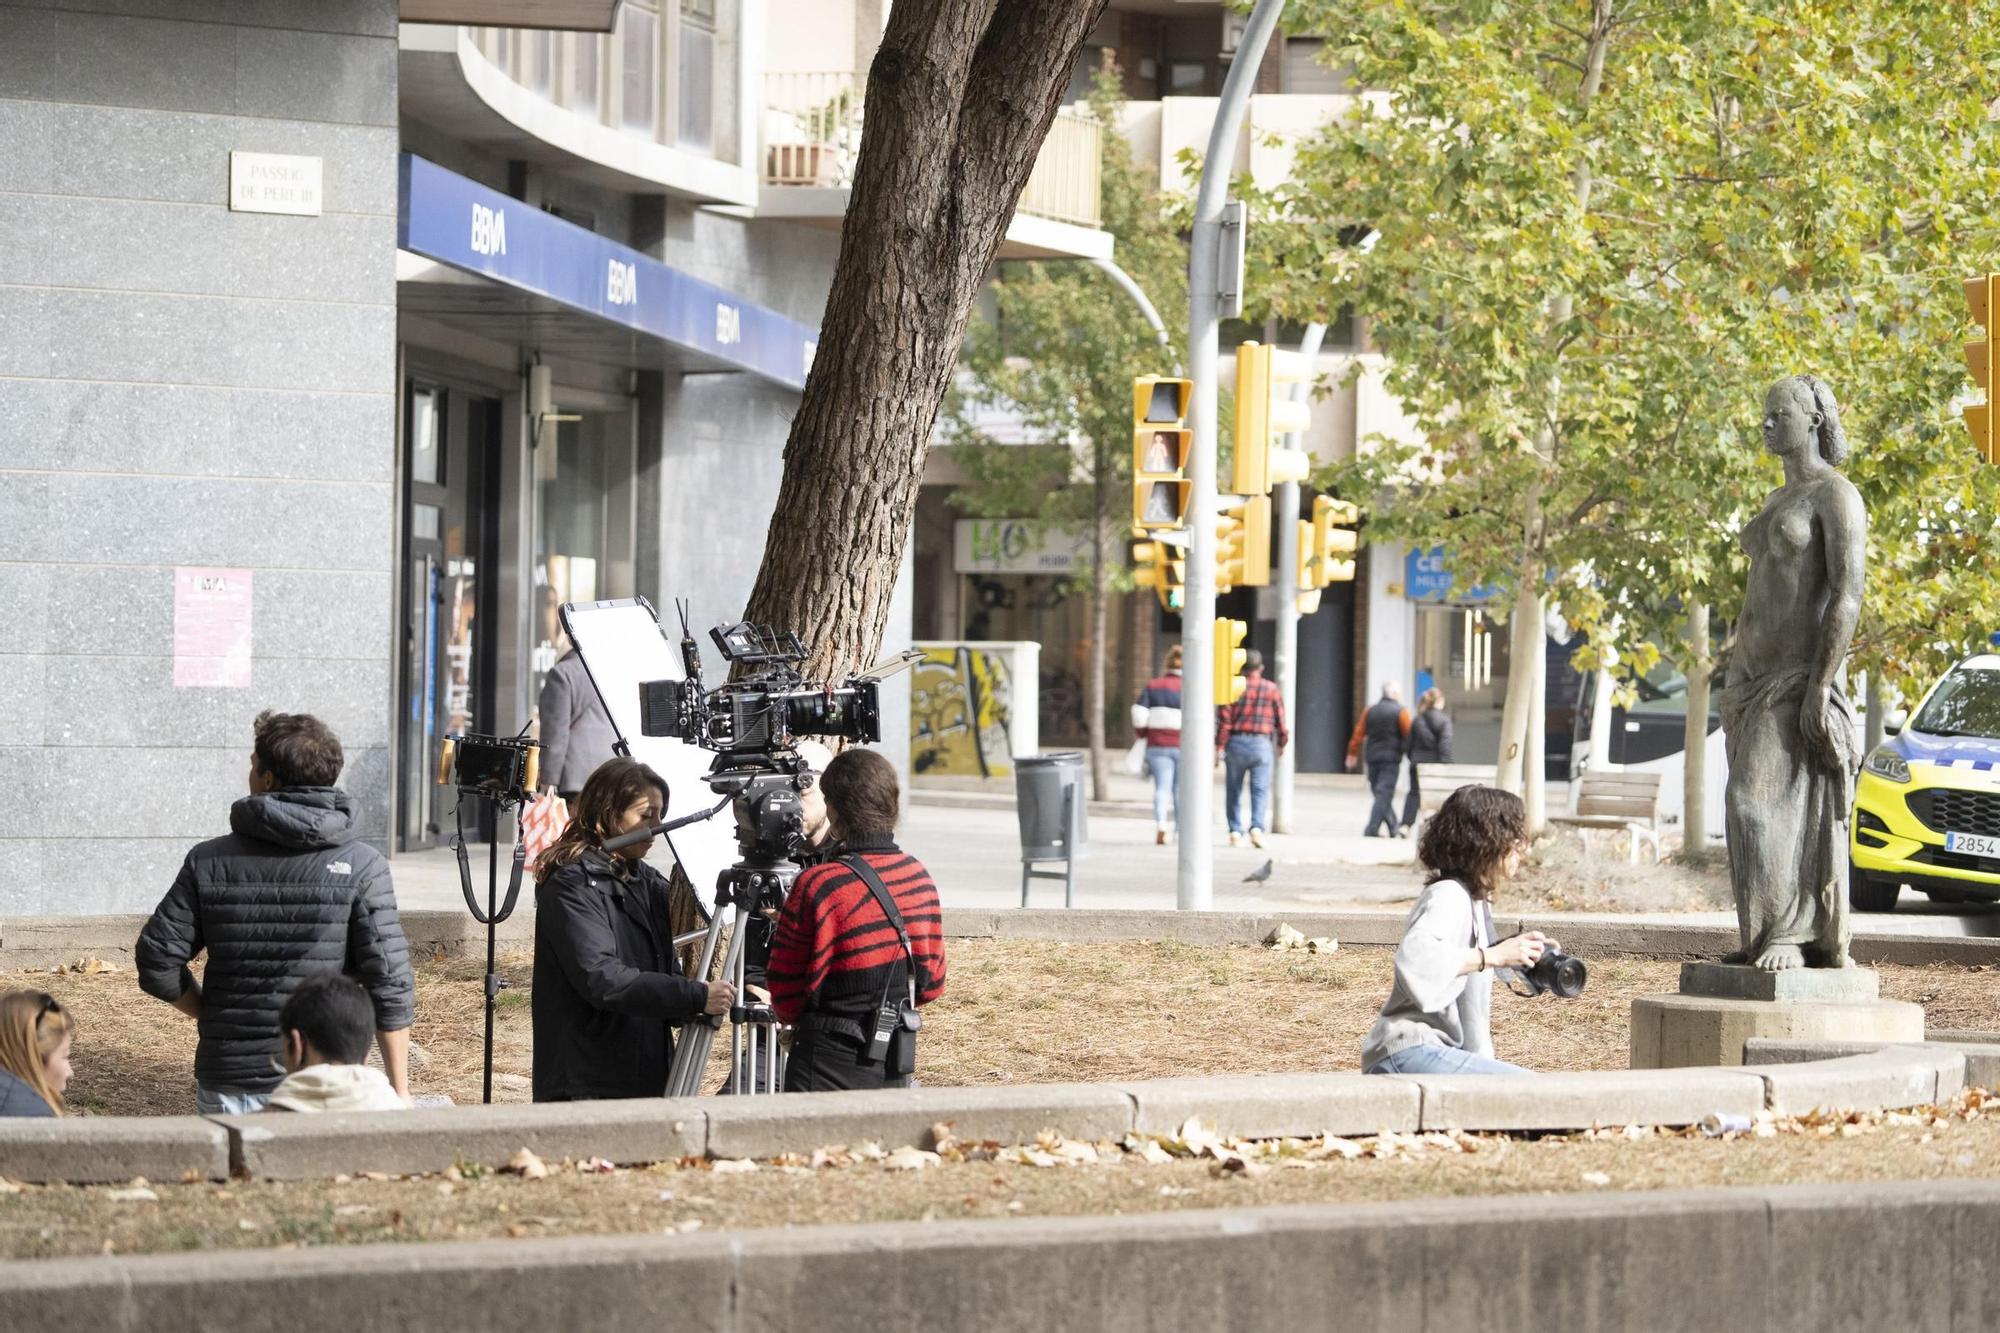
(291, 893)
(1429, 742)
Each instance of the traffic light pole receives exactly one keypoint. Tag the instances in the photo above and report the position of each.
(1285, 659)
(1196, 885)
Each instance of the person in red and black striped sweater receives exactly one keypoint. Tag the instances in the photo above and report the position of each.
(835, 950)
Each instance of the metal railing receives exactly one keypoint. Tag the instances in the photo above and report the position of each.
(812, 137)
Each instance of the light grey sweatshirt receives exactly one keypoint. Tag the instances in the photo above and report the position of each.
(1430, 1002)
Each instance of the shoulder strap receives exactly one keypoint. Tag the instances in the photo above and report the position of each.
(857, 863)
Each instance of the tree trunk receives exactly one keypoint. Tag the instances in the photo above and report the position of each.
(1100, 626)
(959, 98)
(1694, 749)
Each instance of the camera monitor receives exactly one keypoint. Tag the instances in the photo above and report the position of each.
(622, 647)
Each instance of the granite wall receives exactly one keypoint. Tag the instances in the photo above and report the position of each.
(182, 385)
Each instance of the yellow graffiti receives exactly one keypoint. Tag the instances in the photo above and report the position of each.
(960, 706)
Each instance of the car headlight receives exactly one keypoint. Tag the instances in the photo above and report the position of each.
(1884, 762)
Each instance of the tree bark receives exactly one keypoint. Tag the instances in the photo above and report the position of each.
(1694, 748)
(959, 98)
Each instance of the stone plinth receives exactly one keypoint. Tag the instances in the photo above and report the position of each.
(1826, 985)
(1722, 1006)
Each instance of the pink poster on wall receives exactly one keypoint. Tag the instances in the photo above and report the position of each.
(212, 628)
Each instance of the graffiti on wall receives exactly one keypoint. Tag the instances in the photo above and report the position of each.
(961, 704)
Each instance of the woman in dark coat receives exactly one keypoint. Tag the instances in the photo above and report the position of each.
(608, 984)
(1429, 742)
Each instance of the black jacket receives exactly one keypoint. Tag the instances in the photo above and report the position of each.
(607, 983)
(291, 893)
(1430, 737)
(1383, 726)
(18, 1099)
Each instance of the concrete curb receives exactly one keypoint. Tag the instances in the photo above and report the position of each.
(1982, 1058)
(294, 1147)
(1789, 1259)
(27, 942)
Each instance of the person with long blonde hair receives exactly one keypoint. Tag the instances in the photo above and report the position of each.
(35, 1033)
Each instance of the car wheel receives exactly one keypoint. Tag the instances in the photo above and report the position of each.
(1947, 896)
(1868, 894)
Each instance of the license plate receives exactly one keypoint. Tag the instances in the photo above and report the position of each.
(1972, 844)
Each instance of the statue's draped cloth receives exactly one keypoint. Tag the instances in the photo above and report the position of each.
(1787, 818)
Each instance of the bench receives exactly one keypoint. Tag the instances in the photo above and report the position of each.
(1617, 801)
(1436, 782)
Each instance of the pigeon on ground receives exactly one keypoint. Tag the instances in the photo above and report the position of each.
(1259, 875)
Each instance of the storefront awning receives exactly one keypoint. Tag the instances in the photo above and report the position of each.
(445, 217)
(581, 15)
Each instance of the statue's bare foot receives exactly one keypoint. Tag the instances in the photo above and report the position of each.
(1781, 958)
(1737, 959)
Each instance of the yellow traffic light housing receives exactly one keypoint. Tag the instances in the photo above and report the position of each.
(1160, 445)
(1159, 566)
(1334, 542)
(1230, 655)
(1243, 544)
(1264, 412)
(1982, 358)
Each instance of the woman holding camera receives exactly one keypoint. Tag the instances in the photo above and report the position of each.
(858, 943)
(1437, 1017)
(607, 980)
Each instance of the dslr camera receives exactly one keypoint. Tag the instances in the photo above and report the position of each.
(1557, 973)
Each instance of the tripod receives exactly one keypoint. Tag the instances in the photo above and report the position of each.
(495, 912)
(756, 1064)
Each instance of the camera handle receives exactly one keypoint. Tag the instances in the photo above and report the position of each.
(639, 835)
(495, 912)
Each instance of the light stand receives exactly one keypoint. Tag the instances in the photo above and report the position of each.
(495, 912)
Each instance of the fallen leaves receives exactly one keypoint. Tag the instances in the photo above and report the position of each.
(1290, 939)
(528, 1166)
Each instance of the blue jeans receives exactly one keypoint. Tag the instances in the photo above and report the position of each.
(1429, 1059)
(1164, 763)
(1252, 757)
(228, 1101)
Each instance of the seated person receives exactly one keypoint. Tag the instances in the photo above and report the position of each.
(837, 956)
(35, 1032)
(608, 982)
(326, 1027)
(1436, 1020)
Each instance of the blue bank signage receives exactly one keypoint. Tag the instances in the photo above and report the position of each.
(1427, 578)
(460, 222)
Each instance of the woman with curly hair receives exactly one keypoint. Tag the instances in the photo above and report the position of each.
(35, 1033)
(1437, 1019)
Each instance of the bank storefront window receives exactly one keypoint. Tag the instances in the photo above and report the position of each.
(583, 528)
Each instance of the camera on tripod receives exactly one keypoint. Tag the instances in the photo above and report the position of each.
(766, 711)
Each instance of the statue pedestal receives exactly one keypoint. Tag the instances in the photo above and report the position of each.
(1721, 1005)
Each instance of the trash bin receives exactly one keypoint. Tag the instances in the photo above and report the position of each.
(1040, 784)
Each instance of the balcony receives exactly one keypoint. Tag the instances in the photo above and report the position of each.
(812, 139)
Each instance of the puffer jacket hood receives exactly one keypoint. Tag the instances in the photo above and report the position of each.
(336, 1088)
(303, 818)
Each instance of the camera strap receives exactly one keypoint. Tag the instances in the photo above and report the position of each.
(887, 902)
(506, 908)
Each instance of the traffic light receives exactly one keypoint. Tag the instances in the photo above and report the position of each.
(1265, 411)
(1307, 581)
(1982, 358)
(1333, 541)
(1160, 444)
(1229, 658)
(1161, 567)
(1243, 544)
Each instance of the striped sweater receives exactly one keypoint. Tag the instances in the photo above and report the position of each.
(833, 939)
(1156, 718)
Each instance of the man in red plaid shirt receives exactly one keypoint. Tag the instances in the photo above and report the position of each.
(1251, 732)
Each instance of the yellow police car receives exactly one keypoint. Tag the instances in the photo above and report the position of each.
(1927, 804)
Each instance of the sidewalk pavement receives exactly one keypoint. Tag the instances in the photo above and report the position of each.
(966, 833)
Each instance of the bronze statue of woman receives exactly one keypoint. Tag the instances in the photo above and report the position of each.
(1791, 739)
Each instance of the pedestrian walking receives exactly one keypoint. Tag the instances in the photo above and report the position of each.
(1156, 718)
(1378, 742)
(1251, 734)
(1429, 743)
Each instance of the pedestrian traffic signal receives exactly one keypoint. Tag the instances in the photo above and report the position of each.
(1307, 580)
(1983, 359)
(1243, 544)
(1265, 412)
(1160, 445)
(1161, 567)
(1333, 541)
(1230, 655)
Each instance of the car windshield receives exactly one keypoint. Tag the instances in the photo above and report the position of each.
(1967, 703)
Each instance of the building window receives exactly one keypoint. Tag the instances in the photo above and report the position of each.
(697, 76)
(639, 53)
(538, 62)
(1187, 78)
(584, 71)
(1305, 70)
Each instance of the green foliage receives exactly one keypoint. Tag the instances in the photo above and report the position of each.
(1600, 234)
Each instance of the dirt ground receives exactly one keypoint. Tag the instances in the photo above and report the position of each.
(1561, 877)
(1012, 1012)
(49, 1221)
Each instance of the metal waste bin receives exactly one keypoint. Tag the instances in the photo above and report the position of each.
(1050, 801)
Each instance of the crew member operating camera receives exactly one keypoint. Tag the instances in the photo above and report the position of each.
(607, 980)
(858, 943)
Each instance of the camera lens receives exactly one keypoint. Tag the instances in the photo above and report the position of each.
(1569, 976)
